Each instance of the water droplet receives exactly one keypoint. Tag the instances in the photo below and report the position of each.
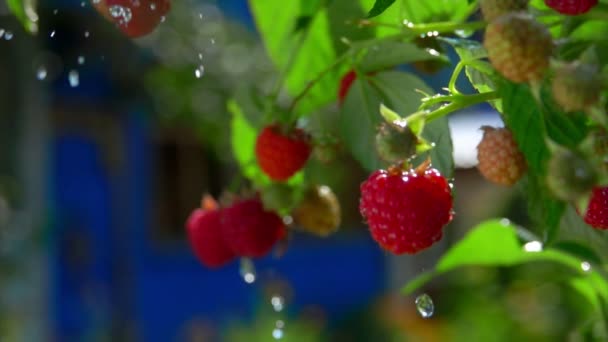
(162, 19)
(8, 35)
(57, 11)
(81, 60)
(425, 305)
(1, 33)
(533, 246)
(96, 1)
(200, 15)
(52, 34)
(74, 78)
(287, 220)
(247, 270)
(86, 34)
(278, 303)
(505, 222)
(200, 56)
(585, 266)
(200, 71)
(82, 4)
(122, 14)
(153, 6)
(41, 73)
(277, 333)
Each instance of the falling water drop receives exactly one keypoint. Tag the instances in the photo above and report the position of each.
(153, 6)
(41, 73)
(81, 60)
(1, 33)
(425, 305)
(8, 35)
(82, 4)
(74, 78)
(52, 34)
(247, 270)
(278, 332)
(278, 303)
(86, 34)
(199, 71)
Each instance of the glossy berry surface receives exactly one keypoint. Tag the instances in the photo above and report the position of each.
(597, 211)
(280, 156)
(571, 7)
(206, 237)
(406, 210)
(135, 18)
(499, 158)
(250, 230)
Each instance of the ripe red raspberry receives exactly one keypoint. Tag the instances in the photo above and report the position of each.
(597, 211)
(281, 156)
(500, 160)
(571, 7)
(518, 47)
(250, 230)
(345, 83)
(206, 236)
(492, 9)
(406, 210)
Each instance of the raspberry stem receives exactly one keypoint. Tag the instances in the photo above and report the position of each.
(458, 102)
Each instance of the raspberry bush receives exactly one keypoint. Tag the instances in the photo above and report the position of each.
(343, 82)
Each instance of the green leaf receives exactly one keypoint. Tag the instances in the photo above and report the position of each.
(495, 243)
(384, 54)
(379, 7)
(305, 54)
(25, 11)
(359, 118)
(437, 10)
(545, 211)
(525, 119)
(304, 39)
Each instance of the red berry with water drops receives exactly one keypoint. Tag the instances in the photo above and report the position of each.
(345, 83)
(250, 230)
(406, 210)
(205, 234)
(135, 18)
(280, 155)
(597, 210)
(571, 7)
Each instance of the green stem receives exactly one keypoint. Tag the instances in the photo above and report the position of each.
(455, 74)
(444, 27)
(461, 102)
